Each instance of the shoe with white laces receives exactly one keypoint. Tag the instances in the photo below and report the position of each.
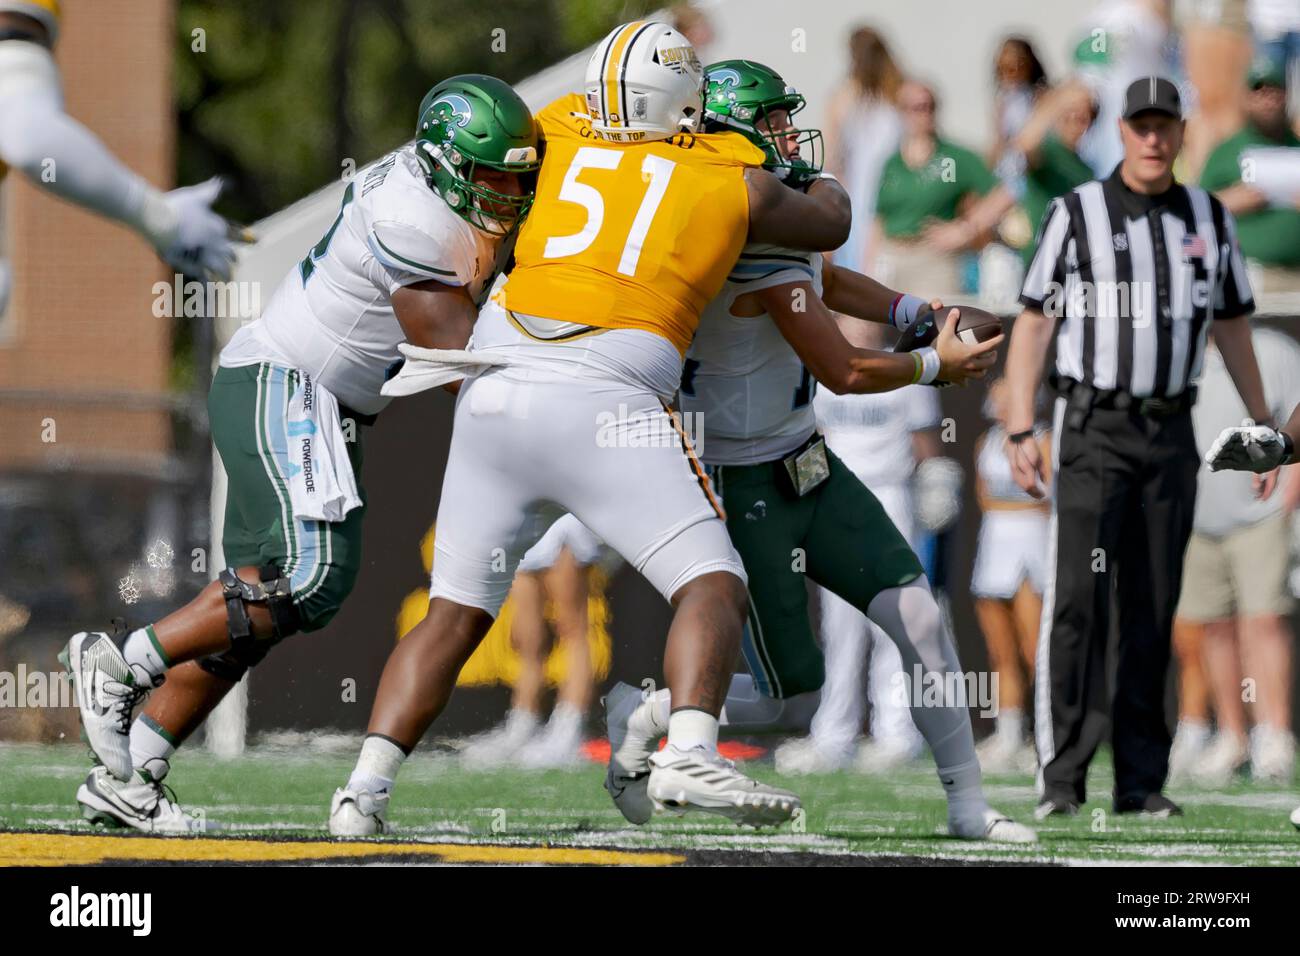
(802, 755)
(882, 756)
(981, 822)
(358, 813)
(500, 746)
(633, 737)
(1272, 755)
(141, 803)
(108, 689)
(1190, 742)
(700, 779)
(1225, 757)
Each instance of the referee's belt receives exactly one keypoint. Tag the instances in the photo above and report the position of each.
(1082, 398)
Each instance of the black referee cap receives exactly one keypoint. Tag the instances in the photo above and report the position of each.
(1152, 93)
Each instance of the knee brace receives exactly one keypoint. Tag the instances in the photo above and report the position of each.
(246, 649)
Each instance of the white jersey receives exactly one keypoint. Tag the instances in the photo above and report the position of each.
(752, 393)
(332, 315)
(873, 433)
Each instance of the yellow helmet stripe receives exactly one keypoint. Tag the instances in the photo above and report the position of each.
(613, 69)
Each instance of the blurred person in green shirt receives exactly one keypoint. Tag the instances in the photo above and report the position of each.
(928, 181)
(1269, 234)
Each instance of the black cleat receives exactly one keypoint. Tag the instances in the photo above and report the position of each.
(1056, 806)
(1155, 805)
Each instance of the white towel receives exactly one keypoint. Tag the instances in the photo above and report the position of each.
(430, 368)
(322, 486)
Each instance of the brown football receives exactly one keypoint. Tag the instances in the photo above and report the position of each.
(973, 325)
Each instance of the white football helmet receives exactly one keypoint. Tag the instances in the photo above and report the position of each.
(644, 82)
(46, 11)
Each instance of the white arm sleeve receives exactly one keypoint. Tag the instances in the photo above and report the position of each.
(60, 155)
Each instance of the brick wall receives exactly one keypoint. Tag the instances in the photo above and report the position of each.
(80, 328)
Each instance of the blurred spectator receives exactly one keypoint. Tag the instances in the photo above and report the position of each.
(1007, 583)
(1122, 40)
(927, 182)
(1269, 233)
(1276, 25)
(555, 568)
(694, 24)
(862, 132)
(1216, 49)
(1235, 581)
(1019, 79)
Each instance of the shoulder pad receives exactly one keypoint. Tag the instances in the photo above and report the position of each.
(407, 248)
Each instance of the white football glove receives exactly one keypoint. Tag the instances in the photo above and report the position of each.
(937, 489)
(195, 240)
(1248, 447)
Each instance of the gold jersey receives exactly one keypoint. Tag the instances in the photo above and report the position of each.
(630, 235)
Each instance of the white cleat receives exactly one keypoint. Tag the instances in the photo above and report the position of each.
(1190, 741)
(1272, 755)
(107, 689)
(630, 748)
(985, 823)
(699, 779)
(140, 803)
(1225, 757)
(500, 746)
(1295, 818)
(803, 755)
(558, 745)
(358, 813)
(1000, 753)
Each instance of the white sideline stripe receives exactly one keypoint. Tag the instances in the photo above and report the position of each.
(1043, 736)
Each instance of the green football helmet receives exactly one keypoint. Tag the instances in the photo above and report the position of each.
(738, 94)
(472, 122)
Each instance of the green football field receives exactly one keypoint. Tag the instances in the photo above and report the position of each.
(271, 805)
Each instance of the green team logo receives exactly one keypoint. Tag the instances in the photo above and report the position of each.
(720, 91)
(450, 112)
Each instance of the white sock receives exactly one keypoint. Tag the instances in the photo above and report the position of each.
(151, 747)
(661, 709)
(142, 650)
(1011, 724)
(377, 766)
(689, 728)
(566, 721)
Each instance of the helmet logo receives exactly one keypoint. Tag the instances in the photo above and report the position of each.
(721, 88)
(452, 111)
(680, 59)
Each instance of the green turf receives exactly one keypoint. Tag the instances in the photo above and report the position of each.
(279, 791)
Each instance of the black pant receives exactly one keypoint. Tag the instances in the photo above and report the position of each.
(1125, 487)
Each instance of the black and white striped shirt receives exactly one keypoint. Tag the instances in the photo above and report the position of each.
(1135, 281)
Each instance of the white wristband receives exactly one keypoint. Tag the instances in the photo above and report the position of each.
(903, 311)
(929, 364)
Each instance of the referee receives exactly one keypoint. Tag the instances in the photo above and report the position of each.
(1129, 275)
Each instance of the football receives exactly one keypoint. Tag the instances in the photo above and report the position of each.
(973, 326)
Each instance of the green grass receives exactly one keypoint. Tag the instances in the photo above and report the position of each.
(285, 792)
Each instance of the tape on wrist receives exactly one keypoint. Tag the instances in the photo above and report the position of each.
(903, 310)
(929, 364)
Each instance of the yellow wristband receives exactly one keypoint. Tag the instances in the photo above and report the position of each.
(920, 367)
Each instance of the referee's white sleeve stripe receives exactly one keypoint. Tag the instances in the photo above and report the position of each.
(1042, 270)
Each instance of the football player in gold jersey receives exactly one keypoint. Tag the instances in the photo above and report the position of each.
(637, 220)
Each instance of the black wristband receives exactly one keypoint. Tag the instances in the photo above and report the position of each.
(1018, 437)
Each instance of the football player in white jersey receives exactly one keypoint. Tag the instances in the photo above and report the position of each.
(881, 437)
(414, 244)
(37, 136)
(794, 511)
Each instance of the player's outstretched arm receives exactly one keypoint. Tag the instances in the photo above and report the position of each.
(809, 327)
(62, 157)
(817, 220)
(434, 315)
(862, 297)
